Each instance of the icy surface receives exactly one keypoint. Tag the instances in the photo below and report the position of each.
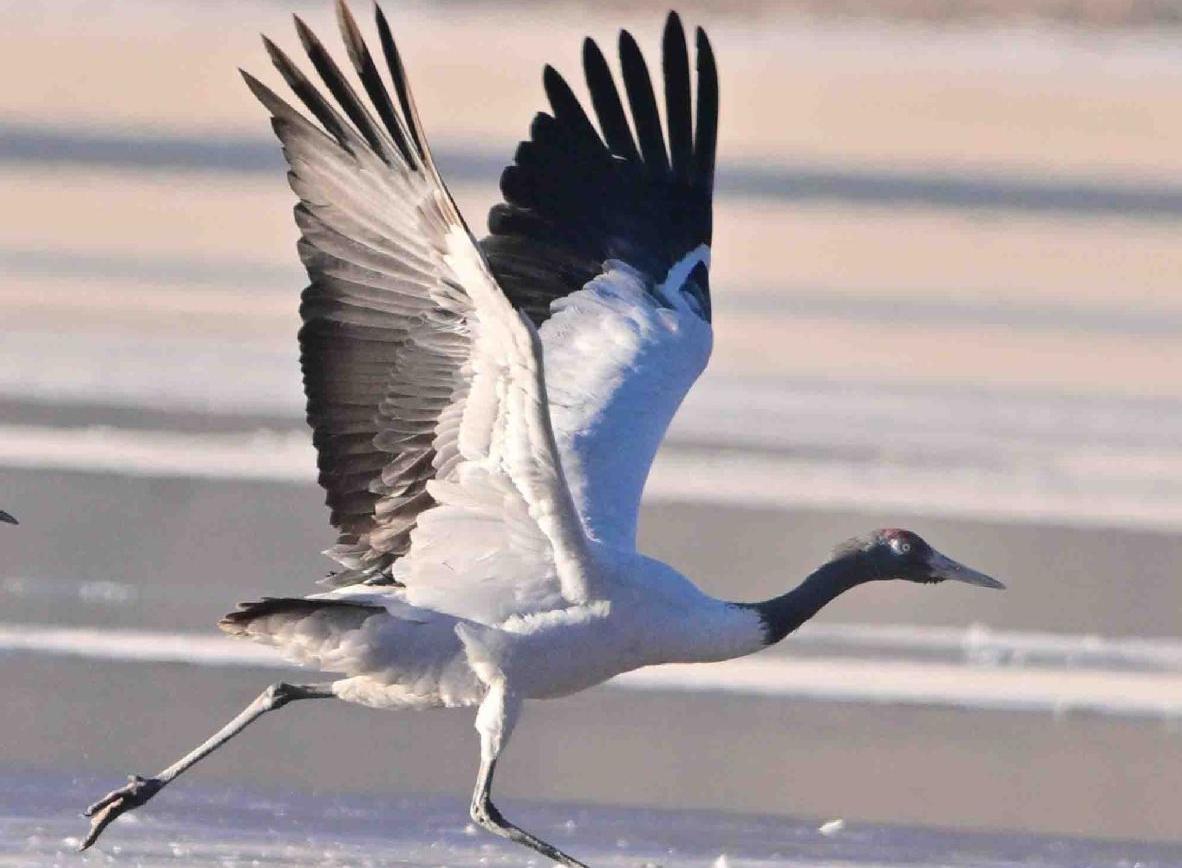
(192, 826)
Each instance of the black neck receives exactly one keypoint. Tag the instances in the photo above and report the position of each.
(781, 615)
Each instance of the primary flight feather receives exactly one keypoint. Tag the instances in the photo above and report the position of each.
(485, 413)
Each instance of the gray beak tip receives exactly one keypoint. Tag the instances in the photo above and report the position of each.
(948, 569)
(992, 583)
(8, 519)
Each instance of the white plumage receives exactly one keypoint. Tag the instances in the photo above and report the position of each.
(617, 367)
(486, 413)
(509, 576)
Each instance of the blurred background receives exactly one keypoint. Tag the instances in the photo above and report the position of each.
(948, 294)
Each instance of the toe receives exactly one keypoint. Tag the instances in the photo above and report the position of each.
(100, 822)
(115, 803)
(91, 810)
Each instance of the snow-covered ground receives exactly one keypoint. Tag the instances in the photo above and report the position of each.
(40, 826)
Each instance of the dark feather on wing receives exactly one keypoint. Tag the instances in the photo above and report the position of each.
(380, 353)
(379, 356)
(575, 197)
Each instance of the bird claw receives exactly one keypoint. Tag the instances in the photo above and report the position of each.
(137, 791)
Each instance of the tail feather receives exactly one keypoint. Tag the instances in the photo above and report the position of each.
(244, 620)
(392, 655)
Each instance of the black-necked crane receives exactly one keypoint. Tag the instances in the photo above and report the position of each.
(486, 412)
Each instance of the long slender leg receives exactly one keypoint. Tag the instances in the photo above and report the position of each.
(495, 721)
(139, 790)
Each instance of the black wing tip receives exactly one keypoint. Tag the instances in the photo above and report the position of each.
(307, 37)
(707, 66)
(673, 41)
(593, 55)
(673, 24)
(673, 36)
(348, 24)
(390, 49)
(664, 159)
(675, 68)
(272, 49)
(399, 77)
(379, 17)
(628, 42)
(6, 518)
(262, 93)
(281, 60)
(706, 130)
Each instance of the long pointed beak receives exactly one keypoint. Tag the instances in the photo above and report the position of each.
(5, 517)
(946, 568)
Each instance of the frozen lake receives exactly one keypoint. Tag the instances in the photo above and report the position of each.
(947, 297)
(195, 826)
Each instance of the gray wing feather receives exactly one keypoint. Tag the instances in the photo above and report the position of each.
(383, 338)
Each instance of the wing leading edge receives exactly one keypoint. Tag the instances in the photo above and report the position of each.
(424, 385)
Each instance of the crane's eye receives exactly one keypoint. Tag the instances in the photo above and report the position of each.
(900, 547)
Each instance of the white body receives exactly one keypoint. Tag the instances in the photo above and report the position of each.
(416, 658)
(513, 556)
(483, 600)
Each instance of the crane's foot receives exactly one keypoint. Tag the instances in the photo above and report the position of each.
(486, 814)
(117, 802)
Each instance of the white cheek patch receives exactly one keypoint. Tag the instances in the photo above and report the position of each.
(670, 288)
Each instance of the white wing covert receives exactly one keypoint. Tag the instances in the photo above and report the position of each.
(425, 386)
(503, 538)
(618, 365)
(603, 239)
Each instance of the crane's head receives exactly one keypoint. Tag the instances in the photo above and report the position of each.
(892, 553)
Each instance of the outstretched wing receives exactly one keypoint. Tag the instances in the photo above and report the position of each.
(603, 239)
(424, 385)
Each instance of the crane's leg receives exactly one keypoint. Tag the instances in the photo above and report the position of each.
(494, 721)
(139, 790)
